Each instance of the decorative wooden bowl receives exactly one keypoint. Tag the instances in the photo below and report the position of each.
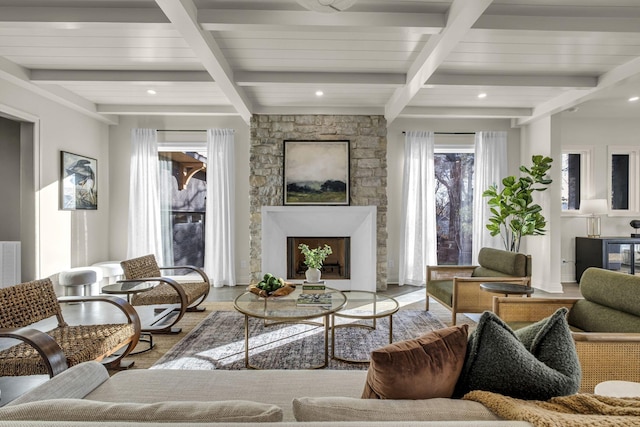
(280, 292)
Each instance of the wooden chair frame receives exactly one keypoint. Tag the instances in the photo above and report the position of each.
(603, 356)
(467, 296)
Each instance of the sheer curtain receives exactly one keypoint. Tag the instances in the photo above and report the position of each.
(418, 239)
(144, 225)
(490, 169)
(219, 259)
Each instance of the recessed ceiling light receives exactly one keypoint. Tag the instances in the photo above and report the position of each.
(482, 95)
(151, 91)
(634, 98)
(319, 93)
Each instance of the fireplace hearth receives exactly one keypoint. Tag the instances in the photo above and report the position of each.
(335, 266)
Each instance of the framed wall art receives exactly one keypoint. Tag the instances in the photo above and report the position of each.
(316, 173)
(78, 182)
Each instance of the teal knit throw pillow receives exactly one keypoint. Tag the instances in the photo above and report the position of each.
(536, 363)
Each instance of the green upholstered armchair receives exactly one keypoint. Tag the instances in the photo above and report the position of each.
(457, 287)
(605, 324)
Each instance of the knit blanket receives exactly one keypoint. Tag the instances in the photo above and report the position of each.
(578, 410)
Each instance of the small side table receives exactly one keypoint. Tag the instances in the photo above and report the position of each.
(363, 305)
(506, 288)
(128, 289)
(618, 389)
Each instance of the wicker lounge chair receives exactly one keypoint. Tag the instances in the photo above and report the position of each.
(457, 287)
(52, 352)
(605, 324)
(170, 290)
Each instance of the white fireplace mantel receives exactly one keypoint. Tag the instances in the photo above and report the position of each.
(356, 222)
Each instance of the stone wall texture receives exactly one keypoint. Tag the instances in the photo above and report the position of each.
(368, 167)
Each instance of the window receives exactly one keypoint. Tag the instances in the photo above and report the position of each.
(623, 171)
(454, 202)
(576, 185)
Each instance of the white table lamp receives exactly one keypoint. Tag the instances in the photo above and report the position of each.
(594, 207)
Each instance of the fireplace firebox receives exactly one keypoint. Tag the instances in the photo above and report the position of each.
(335, 267)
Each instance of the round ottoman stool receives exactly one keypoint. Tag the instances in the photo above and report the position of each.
(77, 281)
(111, 271)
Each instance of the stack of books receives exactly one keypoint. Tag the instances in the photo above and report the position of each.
(314, 300)
(312, 288)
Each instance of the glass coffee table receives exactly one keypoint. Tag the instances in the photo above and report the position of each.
(363, 305)
(278, 310)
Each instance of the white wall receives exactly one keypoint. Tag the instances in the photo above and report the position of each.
(119, 152)
(597, 134)
(9, 173)
(66, 238)
(395, 153)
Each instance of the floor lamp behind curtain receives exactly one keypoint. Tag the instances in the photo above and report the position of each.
(490, 169)
(219, 249)
(418, 241)
(144, 226)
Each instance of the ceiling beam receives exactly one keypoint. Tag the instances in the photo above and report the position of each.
(558, 23)
(174, 110)
(183, 14)
(284, 20)
(462, 15)
(20, 76)
(292, 78)
(57, 76)
(465, 112)
(332, 111)
(56, 14)
(573, 98)
(446, 79)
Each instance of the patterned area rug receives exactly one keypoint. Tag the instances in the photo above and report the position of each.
(218, 342)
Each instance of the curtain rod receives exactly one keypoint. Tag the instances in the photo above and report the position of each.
(181, 130)
(448, 133)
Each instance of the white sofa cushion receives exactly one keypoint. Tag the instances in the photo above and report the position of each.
(351, 409)
(90, 410)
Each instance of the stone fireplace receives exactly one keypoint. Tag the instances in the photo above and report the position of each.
(358, 223)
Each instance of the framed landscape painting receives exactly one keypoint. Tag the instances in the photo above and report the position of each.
(78, 182)
(316, 172)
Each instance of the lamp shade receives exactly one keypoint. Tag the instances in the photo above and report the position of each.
(594, 206)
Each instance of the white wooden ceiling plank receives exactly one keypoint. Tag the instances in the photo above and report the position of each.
(88, 29)
(462, 15)
(524, 58)
(304, 55)
(65, 62)
(75, 41)
(332, 110)
(465, 112)
(345, 65)
(548, 49)
(259, 20)
(551, 37)
(514, 67)
(89, 52)
(319, 44)
(183, 15)
(310, 34)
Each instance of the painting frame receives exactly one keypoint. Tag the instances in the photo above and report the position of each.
(316, 172)
(78, 182)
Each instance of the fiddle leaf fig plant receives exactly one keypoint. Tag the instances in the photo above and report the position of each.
(513, 212)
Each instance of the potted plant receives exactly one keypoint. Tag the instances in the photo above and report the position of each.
(513, 212)
(313, 259)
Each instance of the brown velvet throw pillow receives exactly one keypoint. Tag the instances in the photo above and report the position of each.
(421, 368)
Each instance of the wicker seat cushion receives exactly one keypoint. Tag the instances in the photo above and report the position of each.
(165, 294)
(79, 343)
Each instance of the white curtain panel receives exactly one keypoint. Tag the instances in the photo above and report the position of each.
(219, 249)
(144, 226)
(490, 168)
(418, 239)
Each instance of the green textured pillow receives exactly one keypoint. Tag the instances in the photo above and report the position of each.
(536, 363)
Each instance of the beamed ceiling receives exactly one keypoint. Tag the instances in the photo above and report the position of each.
(422, 58)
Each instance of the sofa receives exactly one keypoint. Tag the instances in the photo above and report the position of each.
(605, 324)
(85, 395)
